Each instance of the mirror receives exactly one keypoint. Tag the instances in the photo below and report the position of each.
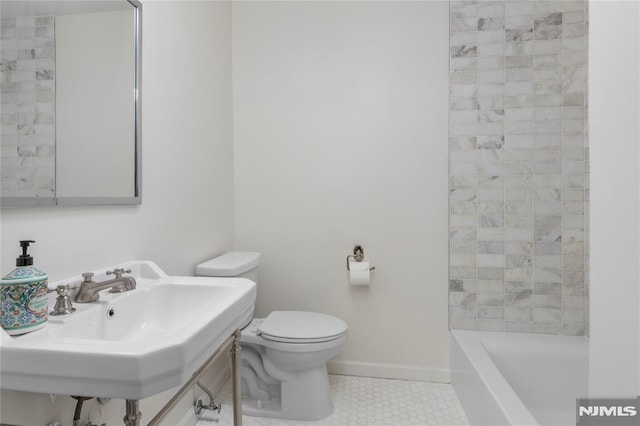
(70, 90)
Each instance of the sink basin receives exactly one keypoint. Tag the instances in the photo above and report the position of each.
(129, 345)
(163, 311)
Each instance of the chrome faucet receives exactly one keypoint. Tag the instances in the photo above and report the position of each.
(89, 289)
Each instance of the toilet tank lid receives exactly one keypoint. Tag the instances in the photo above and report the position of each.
(230, 264)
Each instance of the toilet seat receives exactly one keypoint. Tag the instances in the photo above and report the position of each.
(301, 327)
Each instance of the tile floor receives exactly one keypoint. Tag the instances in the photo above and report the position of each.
(371, 402)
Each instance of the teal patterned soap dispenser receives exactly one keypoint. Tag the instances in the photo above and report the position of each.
(23, 300)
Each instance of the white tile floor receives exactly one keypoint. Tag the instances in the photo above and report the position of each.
(371, 402)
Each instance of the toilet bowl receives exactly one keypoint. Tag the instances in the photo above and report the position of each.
(284, 355)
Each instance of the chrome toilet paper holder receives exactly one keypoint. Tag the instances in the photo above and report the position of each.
(358, 256)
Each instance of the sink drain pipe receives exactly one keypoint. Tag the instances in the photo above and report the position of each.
(78, 411)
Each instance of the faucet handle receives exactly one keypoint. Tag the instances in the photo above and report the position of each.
(63, 304)
(118, 272)
(87, 276)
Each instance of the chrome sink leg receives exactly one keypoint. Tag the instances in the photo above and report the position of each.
(133, 414)
(235, 377)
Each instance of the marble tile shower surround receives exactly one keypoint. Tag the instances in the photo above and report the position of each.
(27, 80)
(518, 166)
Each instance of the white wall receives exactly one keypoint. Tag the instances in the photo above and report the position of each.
(186, 214)
(614, 99)
(340, 137)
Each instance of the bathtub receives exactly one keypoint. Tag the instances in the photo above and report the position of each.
(518, 379)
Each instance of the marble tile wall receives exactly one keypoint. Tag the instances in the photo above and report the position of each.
(518, 166)
(27, 88)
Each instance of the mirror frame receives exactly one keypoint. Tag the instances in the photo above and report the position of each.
(23, 202)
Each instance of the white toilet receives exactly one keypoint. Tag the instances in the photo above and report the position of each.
(284, 356)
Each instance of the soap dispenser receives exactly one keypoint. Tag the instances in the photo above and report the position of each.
(23, 299)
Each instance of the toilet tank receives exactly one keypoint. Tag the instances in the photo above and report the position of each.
(232, 264)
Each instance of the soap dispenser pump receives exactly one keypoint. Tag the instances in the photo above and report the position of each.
(23, 296)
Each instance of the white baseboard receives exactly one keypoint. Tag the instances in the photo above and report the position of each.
(389, 371)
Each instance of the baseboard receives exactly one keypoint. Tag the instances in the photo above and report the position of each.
(389, 371)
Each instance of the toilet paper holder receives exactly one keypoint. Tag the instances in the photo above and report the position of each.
(358, 256)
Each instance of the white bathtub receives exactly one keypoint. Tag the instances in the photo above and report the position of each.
(518, 379)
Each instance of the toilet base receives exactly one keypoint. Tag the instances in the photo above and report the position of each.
(306, 396)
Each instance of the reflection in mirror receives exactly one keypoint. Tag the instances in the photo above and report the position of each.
(70, 84)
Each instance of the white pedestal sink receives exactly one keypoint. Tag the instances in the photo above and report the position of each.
(129, 345)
